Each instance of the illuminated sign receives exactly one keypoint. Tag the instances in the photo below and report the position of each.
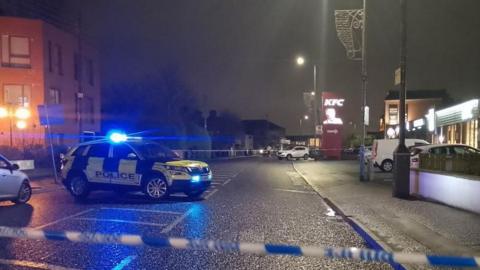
(419, 123)
(331, 117)
(335, 102)
(431, 119)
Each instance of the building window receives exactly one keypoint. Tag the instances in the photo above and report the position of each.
(59, 61)
(50, 63)
(17, 94)
(77, 69)
(393, 114)
(15, 51)
(53, 96)
(89, 110)
(90, 71)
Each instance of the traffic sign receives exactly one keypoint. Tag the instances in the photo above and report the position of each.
(398, 76)
(51, 115)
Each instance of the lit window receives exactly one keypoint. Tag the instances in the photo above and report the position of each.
(15, 51)
(54, 96)
(17, 94)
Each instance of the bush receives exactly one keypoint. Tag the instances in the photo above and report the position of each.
(464, 164)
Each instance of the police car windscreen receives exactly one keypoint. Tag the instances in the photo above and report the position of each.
(155, 151)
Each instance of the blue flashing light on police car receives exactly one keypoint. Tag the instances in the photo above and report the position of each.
(116, 136)
(196, 178)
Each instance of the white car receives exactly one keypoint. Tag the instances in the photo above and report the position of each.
(296, 152)
(382, 151)
(439, 149)
(14, 184)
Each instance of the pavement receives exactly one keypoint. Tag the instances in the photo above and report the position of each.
(251, 200)
(399, 225)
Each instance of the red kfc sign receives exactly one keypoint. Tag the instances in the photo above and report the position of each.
(332, 110)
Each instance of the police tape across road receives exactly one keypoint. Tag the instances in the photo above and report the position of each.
(367, 255)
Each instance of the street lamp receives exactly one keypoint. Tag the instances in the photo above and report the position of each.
(301, 61)
(21, 114)
(305, 117)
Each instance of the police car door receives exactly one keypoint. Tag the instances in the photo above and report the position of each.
(97, 154)
(125, 159)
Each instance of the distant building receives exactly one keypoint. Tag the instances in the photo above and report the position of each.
(41, 64)
(418, 103)
(264, 132)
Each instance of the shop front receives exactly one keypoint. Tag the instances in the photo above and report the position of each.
(458, 124)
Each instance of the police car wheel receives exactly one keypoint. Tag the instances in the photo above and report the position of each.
(156, 188)
(79, 187)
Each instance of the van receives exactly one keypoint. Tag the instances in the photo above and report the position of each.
(382, 151)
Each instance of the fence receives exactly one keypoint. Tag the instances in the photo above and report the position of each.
(464, 164)
(215, 154)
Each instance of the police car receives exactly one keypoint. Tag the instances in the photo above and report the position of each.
(131, 164)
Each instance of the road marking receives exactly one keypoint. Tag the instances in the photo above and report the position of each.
(210, 194)
(296, 191)
(388, 179)
(121, 221)
(142, 210)
(63, 219)
(35, 265)
(177, 221)
(124, 262)
(226, 182)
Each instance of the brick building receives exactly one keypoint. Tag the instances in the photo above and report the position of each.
(41, 64)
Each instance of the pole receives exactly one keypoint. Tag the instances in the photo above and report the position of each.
(401, 169)
(363, 176)
(49, 132)
(315, 103)
(80, 76)
(11, 130)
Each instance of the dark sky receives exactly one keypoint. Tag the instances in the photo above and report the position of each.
(239, 55)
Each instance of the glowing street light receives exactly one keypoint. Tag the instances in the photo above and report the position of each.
(22, 113)
(300, 61)
(3, 112)
(305, 117)
(21, 124)
(312, 93)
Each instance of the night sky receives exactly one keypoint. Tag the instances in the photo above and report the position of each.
(239, 55)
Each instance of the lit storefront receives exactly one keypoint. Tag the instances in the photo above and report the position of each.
(458, 124)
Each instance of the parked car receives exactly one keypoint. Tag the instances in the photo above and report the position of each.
(316, 153)
(382, 151)
(439, 149)
(296, 152)
(14, 184)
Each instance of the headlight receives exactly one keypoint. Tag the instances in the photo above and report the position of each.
(261, 151)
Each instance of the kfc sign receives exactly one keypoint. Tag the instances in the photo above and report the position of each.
(334, 102)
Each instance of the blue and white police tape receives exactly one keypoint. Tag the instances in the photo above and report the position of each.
(367, 255)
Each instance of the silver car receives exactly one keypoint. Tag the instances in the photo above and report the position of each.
(14, 184)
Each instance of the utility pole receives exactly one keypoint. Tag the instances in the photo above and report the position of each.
(363, 176)
(401, 169)
(79, 95)
(315, 103)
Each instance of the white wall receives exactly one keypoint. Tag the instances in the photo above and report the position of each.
(452, 190)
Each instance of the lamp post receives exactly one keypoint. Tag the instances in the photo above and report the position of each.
(401, 169)
(300, 62)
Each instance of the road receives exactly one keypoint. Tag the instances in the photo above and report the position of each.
(252, 200)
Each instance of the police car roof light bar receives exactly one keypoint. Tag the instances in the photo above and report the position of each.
(116, 136)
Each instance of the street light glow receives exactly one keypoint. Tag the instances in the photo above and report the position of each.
(300, 61)
(22, 113)
(3, 112)
(305, 117)
(21, 124)
(312, 93)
